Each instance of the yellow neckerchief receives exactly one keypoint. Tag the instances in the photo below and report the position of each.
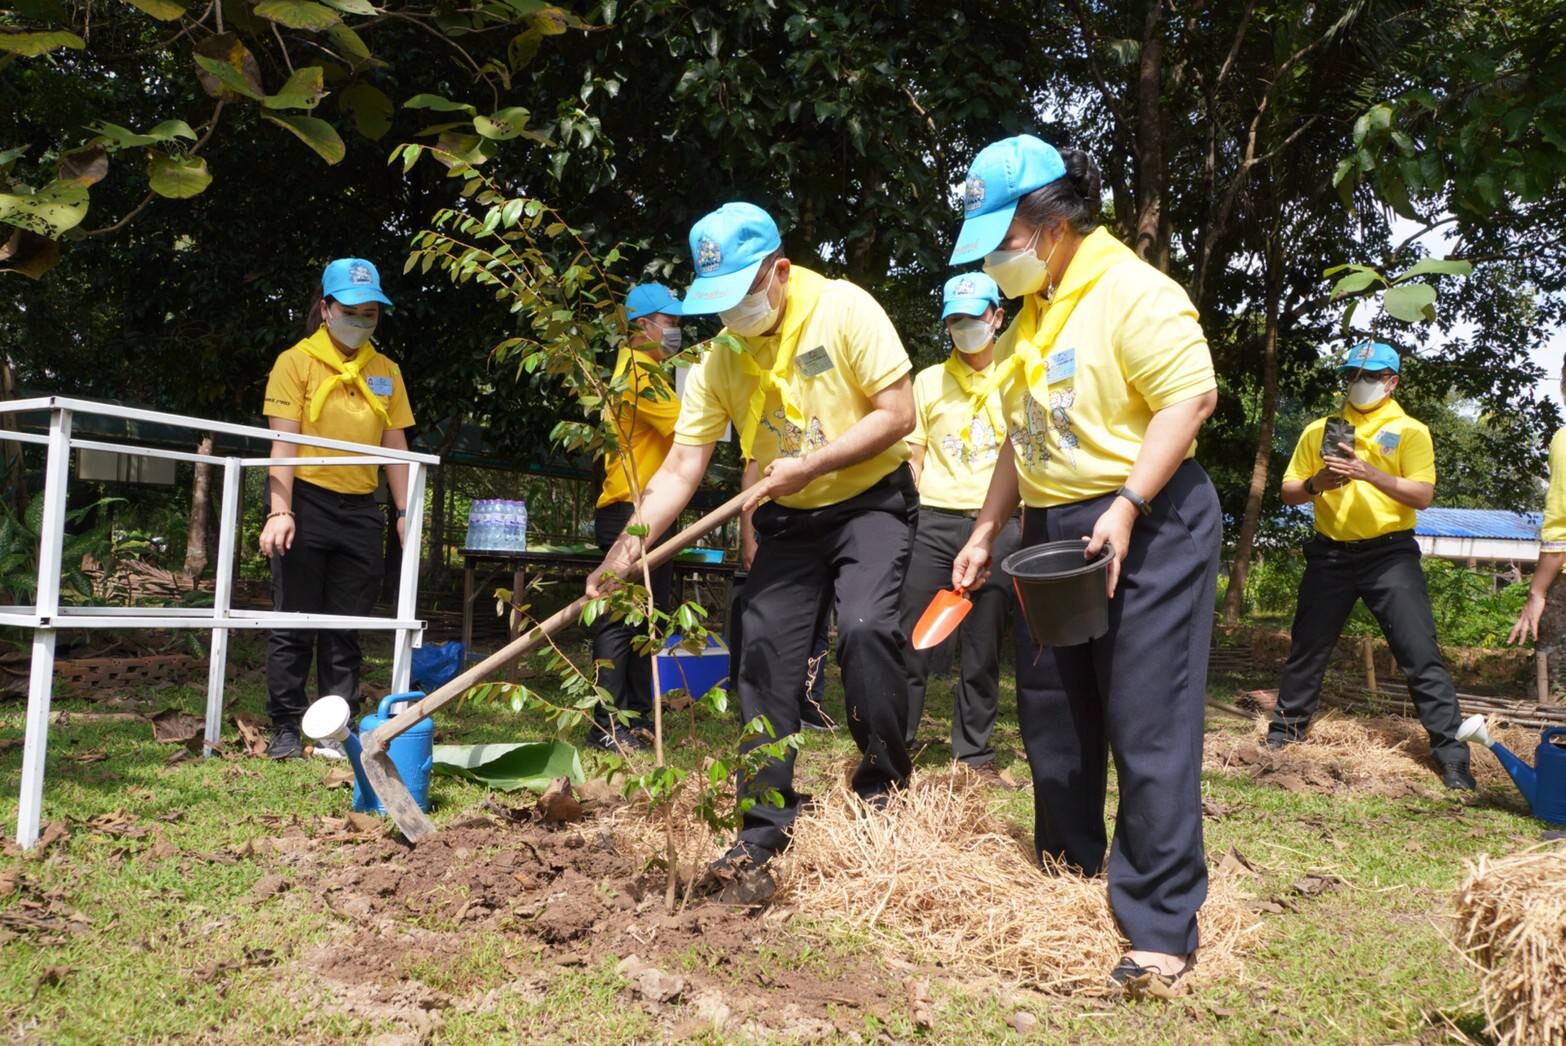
(978, 399)
(804, 291)
(319, 346)
(1040, 322)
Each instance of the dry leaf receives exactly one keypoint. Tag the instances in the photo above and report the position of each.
(10, 880)
(920, 1005)
(91, 755)
(1316, 883)
(557, 805)
(338, 779)
(363, 823)
(1236, 863)
(53, 832)
(252, 733)
(51, 977)
(173, 727)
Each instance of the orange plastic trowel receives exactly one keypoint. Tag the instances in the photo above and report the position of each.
(941, 618)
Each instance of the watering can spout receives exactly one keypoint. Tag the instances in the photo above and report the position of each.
(328, 720)
(1522, 775)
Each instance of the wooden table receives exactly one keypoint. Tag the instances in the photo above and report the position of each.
(571, 564)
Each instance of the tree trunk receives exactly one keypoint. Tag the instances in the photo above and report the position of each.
(1262, 460)
(15, 469)
(1151, 243)
(200, 510)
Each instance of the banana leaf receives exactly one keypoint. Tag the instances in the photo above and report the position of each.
(509, 767)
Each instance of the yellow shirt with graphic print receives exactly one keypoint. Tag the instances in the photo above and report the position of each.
(1552, 536)
(644, 424)
(345, 415)
(1388, 439)
(848, 352)
(956, 473)
(1131, 347)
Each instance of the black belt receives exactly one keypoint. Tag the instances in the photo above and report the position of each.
(1396, 537)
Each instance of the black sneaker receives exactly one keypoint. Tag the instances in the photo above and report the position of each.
(1457, 777)
(616, 741)
(1278, 742)
(285, 743)
(811, 717)
(740, 877)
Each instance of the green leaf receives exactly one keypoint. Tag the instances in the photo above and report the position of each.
(123, 138)
(316, 133)
(231, 70)
(52, 210)
(162, 10)
(552, 21)
(1353, 283)
(177, 177)
(1410, 302)
(435, 103)
(304, 90)
(1444, 266)
(351, 44)
(353, 7)
(508, 767)
(298, 14)
(503, 125)
(369, 108)
(30, 45)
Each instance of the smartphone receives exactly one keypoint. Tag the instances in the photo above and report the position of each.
(1338, 430)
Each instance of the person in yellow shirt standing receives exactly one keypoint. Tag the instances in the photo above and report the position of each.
(1106, 378)
(958, 432)
(644, 431)
(814, 379)
(324, 531)
(1364, 492)
(1552, 540)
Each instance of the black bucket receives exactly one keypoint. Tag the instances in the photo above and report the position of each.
(1063, 596)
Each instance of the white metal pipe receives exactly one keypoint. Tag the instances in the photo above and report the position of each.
(40, 686)
(146, 452)
(222, 599)
(340, 459)
(23, 437)
(243, 619)
(111, 410)
(408, 580)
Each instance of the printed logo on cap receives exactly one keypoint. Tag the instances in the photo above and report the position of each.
(964, 289)
(360, 274)
(708, 256)
(973, 193)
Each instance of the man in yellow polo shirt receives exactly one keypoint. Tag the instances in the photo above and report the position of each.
(814, 379)
(957, 436)
(644, 431)
(1364, 495)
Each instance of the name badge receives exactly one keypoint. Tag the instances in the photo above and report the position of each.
(814, 362)
(1060, 365)
(1388, 441)
(381, 386)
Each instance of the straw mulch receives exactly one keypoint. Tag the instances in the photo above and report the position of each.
(938, 878)
(1346, 752)
(1512, 925)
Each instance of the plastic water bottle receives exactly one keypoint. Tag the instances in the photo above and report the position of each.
(521, 526)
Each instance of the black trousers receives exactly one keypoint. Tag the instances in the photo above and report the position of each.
(1140, 693)
(1385, 573)
(334, 567)
(940, 536)
(629, 677)
(814, 688)
(855, 552)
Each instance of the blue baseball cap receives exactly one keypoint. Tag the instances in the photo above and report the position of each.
(1372, 355)
(969, 294)
(353, 281)
(647, 298)
(1002, 174)
(727, 247)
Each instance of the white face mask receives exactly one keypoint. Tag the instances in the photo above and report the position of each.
(1021, 272)
(1365, 393)
(352, 331)
(971, 333)
(753, 314)
(671, 339)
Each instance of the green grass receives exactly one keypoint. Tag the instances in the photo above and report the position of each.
(1368, 961)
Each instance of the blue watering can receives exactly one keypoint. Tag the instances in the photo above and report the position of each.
(413, 751)
(1544, 783)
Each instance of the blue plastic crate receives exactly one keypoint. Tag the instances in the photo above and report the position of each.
(696, 673)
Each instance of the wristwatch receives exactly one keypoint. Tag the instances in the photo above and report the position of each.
(401, 513)
(1309, 488)
(1136, 499)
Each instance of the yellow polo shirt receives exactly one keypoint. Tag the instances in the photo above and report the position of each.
(1552, 536)
(956, 474)
(848, 351)
(644, 423)
(1131, 347)
(345, 415)
(1392, 442)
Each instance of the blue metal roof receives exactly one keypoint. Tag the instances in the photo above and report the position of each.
(1479, 523)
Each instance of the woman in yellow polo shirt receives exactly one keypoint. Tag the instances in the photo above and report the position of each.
(1108, 380)
(324, 531)
(1552, 540)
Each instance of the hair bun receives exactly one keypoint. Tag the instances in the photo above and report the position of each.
(1083, 175)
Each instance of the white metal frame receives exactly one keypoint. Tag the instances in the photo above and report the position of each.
(46, 617)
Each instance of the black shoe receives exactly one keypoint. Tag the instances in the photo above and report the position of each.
(1136, 978)
(739, 877)
(1457, 777)
(616, 741)
(285, 743)
(1278, 742)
